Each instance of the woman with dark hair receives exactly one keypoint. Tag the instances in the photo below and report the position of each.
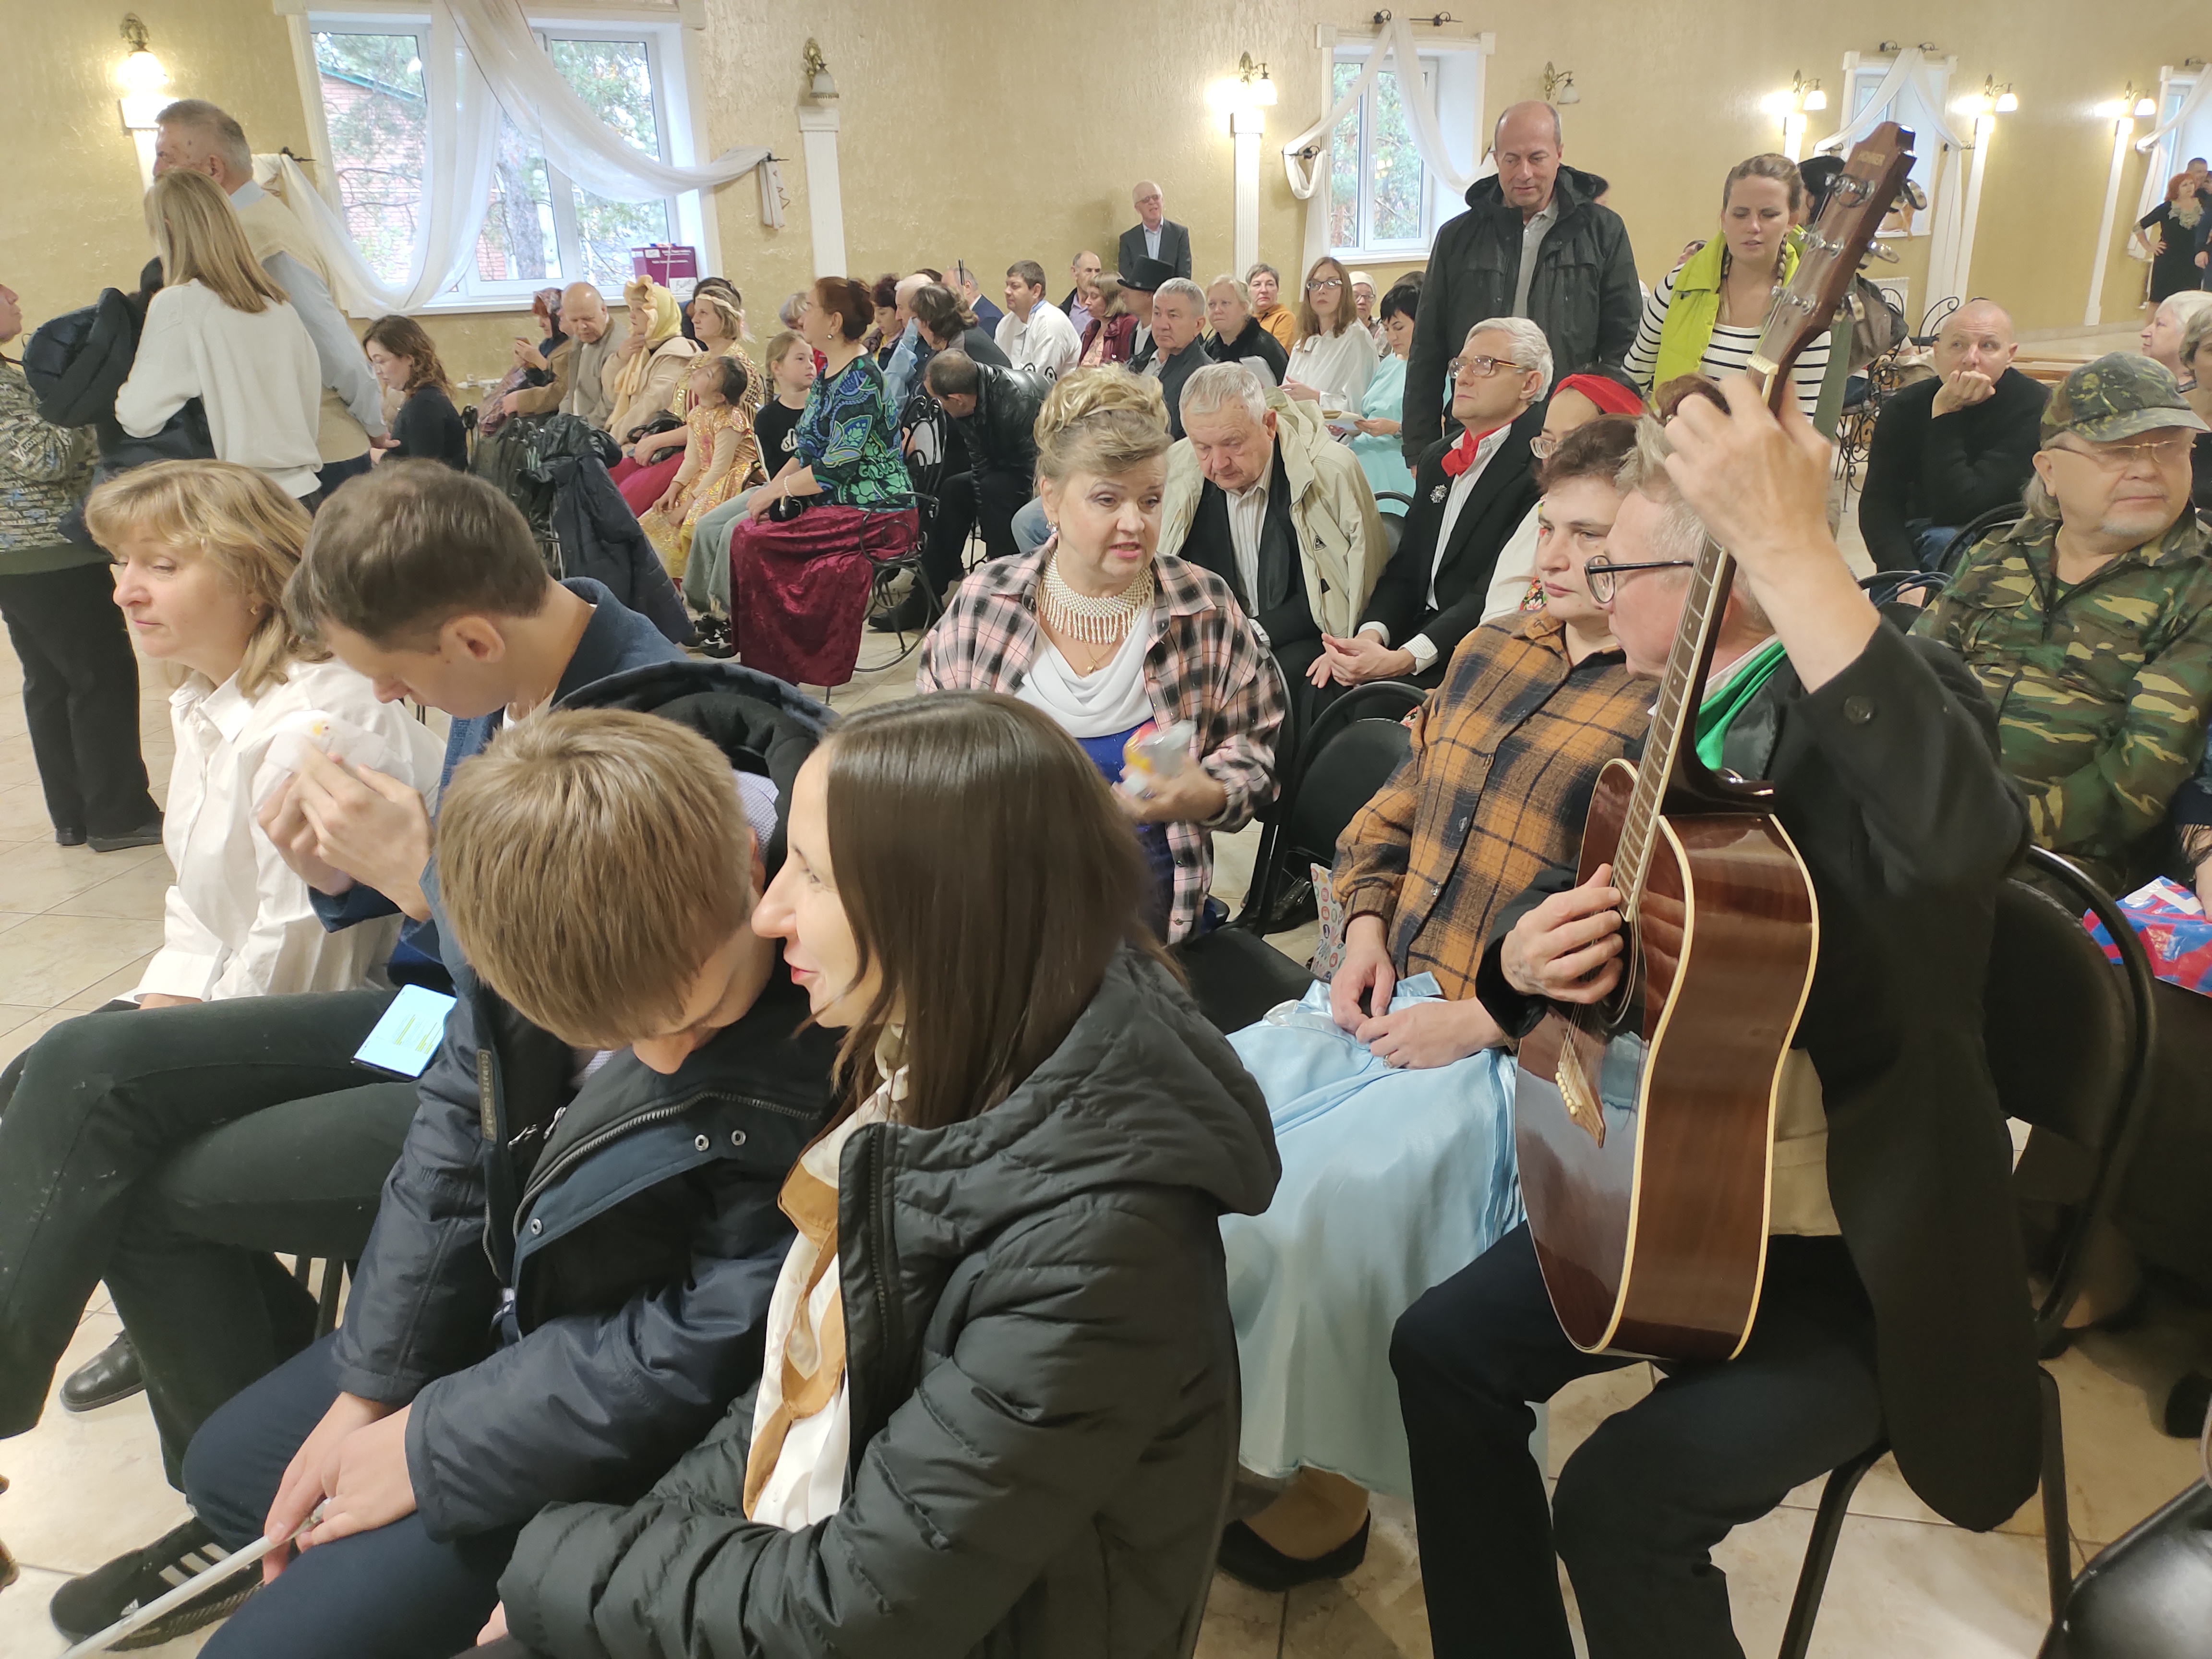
(428, 427)
(998, 1403)
(883, 338)
(945, 324)
(1374, 436)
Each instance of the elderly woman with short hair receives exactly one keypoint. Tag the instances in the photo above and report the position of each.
(1238, 336)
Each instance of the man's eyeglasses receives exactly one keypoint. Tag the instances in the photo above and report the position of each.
(1482, 369)
(2169, 450)
(1600, 575)
(1322, 284)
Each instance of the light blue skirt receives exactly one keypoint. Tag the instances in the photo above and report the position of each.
(1393, 1181)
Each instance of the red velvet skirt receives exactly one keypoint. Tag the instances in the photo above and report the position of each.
(799, 591)
(641, 486)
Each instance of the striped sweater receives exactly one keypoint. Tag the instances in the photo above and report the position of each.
(1727, 353)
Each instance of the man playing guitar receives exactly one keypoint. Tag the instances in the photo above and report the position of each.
(1893, 1302)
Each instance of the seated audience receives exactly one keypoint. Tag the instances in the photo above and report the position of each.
(1362, 311)
(1138, 287)
(963, 284)
(1469, 493)
(1390, 1087)
(1261, 496)
(908, 355)
(1110, 634)
(993, 415)
(1085, 268)
(2161, 335)
(1265, 283)
(719, 460)
(1374, 435)
(221, 331)
(148, 1125)
(2089, 622)
(790, 363)
(561, 1315)
(1895, 1311)
(1109, 337)
(1949, 449)
(843, 449)
(544, 364)
(80, 677)
(647, 376)
(1334, 359)
(1178, 343)
(2195, 356)
(1155, 236)
(1035, 334)
(890, 319)
(1024, 1443)
(945, 324)
(427, 427)
(1236, 338)
(1706, 315)
(1574, 404)
(793, 308)
(718, 323)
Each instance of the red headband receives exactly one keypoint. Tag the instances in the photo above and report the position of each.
(1609, 395)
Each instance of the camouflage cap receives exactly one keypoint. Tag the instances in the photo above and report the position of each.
(2120, 395)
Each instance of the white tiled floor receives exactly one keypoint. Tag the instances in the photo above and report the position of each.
(75, 927)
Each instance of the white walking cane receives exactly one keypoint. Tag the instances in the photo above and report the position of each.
(223, 1572)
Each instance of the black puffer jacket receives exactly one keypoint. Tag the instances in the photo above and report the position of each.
(1043, 1387)
(1584, 294)
(75, 363)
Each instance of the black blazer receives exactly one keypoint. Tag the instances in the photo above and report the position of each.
(1887, 780)
(1501, 498)
(1174, 246)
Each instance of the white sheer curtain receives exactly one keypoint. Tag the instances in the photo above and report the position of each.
(2158, 143)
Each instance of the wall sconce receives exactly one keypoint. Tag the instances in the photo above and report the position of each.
(142, 78)
(2126, 106)
(819, 86)
(1559, 86)
(1256, 86)
(1991, 100)
(1791, 105)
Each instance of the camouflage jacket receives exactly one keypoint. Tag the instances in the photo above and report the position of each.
(2102, 690)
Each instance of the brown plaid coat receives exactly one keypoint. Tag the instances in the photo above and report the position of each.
(1493, 796)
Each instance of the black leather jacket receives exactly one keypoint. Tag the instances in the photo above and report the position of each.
(1001, 436)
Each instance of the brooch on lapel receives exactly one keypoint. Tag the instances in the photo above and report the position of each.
(1440, 492)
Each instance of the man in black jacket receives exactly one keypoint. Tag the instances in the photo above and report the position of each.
(1535, 242)
(570, 1274)
(1154, 236)
(1178, 342)
(1949, 449)
(994, 412)
(1469, 496)
(1893, 1303)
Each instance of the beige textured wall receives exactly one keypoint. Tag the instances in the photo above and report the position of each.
(991, 131)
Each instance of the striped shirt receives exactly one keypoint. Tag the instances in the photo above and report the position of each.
(1727, 353)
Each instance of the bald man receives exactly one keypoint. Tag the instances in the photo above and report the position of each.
(1948, 449)
(1535, 242)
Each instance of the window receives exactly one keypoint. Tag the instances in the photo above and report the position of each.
(540, 228)
(1864, 77)
(1381, 197)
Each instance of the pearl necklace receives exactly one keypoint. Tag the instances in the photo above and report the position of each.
(1081, 617)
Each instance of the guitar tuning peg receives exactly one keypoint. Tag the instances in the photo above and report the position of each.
(1912, 192)
(1876, 251)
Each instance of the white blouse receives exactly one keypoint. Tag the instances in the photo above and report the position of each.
(1338, 366)
(1111, 698)
(238, 922)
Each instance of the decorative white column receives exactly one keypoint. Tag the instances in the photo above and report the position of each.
(1962, 261)
(825, 201)
(1247, 126)
(2123, 130)
(1793, 135)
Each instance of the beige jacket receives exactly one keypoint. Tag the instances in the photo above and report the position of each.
(1340, 543)
(663, 378)
(270, 229)
(591, 372)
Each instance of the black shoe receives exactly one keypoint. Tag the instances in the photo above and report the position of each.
(68, 837)
(2187, 1406)
(909, 615)
(92, 1601)
(714, 638)
(111, 1375)
(146, 834)
(1251, 1559)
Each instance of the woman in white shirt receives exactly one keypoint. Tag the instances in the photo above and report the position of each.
(203, 549)
(221, 330)
(1335, 357)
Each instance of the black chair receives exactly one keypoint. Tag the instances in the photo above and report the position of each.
(1393, 524)
(1954, 550)
(2148, 1595)
(926, 475)
(1353, 747)
(1887, 589)
(2070, 1045)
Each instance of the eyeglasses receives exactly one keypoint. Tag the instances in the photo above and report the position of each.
(1482, 367)
(1599, 574)
(1321, 284)
(2118, 458)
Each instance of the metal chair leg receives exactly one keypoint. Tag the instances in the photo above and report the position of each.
(2057, 1532)
(1820, 1551)
(327, 1303)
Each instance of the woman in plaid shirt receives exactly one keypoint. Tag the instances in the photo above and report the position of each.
(1109, 636)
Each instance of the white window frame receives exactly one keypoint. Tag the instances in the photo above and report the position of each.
(677, 110)
(1866, 70)
(1363, 210)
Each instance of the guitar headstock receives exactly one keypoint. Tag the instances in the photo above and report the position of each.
(1828, 255)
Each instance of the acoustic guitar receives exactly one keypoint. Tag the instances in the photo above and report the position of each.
(1645, 1124)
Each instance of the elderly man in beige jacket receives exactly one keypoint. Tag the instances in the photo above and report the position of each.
(1259, 493)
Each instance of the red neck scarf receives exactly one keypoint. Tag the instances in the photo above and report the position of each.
(1461, 455)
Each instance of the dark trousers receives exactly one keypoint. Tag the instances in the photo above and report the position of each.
(332, 474)
(969, 501)
(395, 1593)
(80, 698)
(104, 1173)
(1641, 1503)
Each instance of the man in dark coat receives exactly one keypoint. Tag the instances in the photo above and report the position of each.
(1154, 236)
(1893, 1303)
(1535, 242)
